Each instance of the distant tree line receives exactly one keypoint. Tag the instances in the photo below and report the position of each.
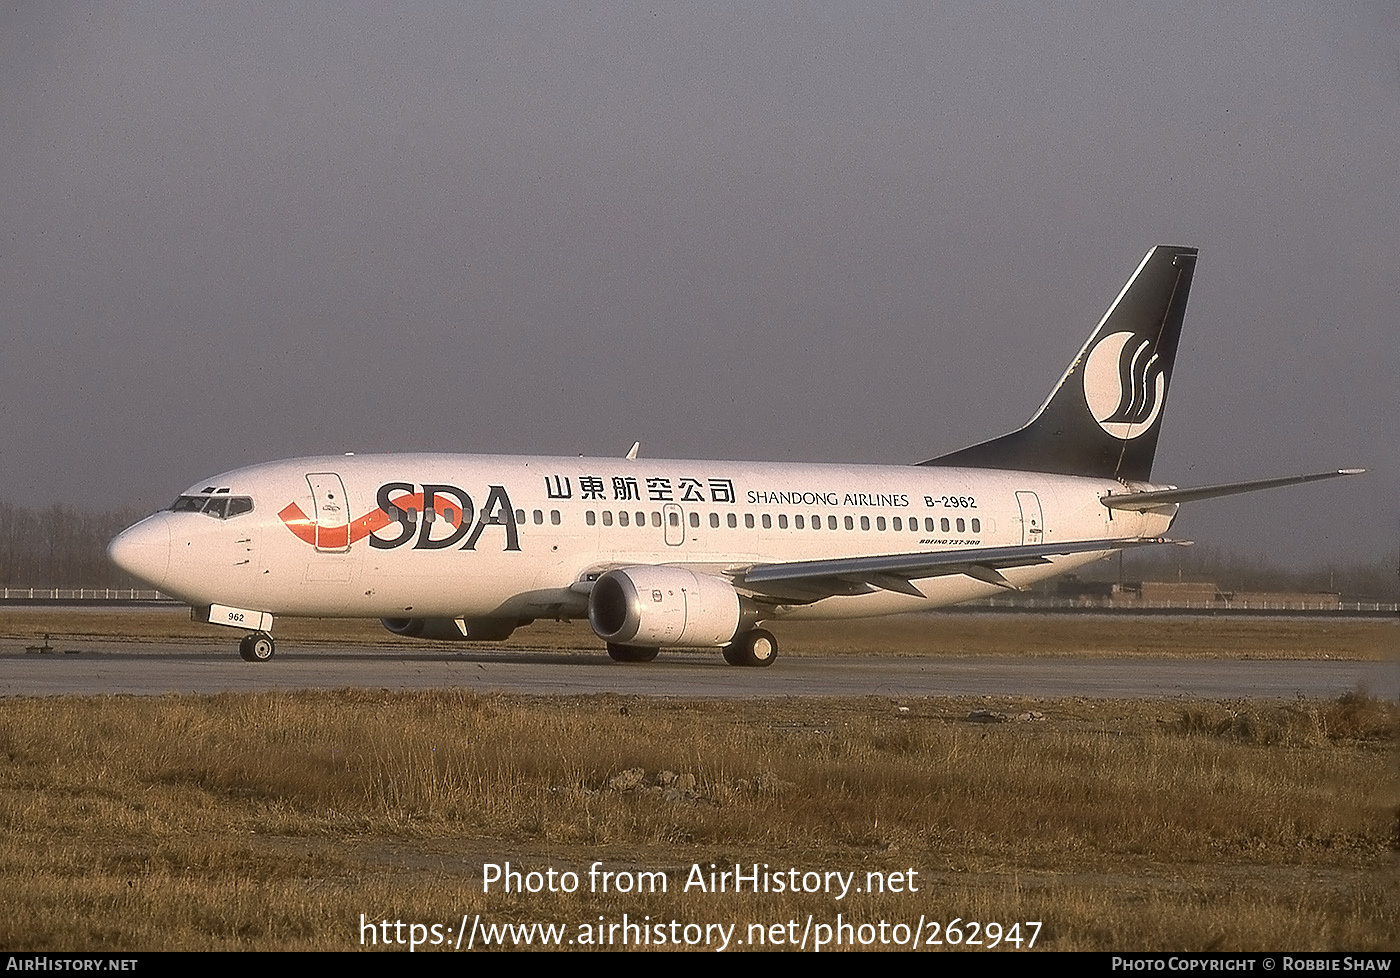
(60, 547)
(1377, 581)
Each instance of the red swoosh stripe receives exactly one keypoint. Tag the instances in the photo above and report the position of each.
(335, 537)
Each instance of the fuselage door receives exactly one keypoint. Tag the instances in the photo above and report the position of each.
(1032, 520)
(674, 521)
(332, 512)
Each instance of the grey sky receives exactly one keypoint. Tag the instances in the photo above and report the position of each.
(829, 232)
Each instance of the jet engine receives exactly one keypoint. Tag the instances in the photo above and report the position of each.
(452, 629)
(656, 606)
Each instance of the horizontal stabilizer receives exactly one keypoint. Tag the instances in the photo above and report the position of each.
(1165, 497)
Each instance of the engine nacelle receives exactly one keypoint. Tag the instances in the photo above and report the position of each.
(656, 606)
(452, 629)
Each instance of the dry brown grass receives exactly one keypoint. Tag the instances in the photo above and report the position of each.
(274, 820)
(941, 634)
(1305, 723)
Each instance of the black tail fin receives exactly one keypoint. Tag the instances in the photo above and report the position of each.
(1104, 416)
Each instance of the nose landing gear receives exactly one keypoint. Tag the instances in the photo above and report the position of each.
(257, 647)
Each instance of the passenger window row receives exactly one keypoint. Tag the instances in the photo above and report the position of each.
(641, 518)
(881, 524)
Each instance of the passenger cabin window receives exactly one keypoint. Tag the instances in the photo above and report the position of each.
(748, 521)
(733, 521)
(976, 526)
(554, 517)
(590, 517)
(714, 521)
(694, 520)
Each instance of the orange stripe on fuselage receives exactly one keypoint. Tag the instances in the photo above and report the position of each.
(306, 529)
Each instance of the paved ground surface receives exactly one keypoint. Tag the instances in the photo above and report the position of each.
(91, 667)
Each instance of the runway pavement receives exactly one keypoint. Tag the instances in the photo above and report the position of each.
(94, 667)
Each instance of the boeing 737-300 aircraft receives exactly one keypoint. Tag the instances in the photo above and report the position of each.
(664, 553)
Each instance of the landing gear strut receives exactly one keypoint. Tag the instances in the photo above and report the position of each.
(257, 647)
(753, 648)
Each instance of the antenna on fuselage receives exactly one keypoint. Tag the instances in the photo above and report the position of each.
(632, 452)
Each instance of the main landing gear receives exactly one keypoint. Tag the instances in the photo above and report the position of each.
(753, 648)
(257, 647)
(756, 647)
(631, 653)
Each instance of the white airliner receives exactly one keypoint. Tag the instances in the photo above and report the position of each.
(669, 553)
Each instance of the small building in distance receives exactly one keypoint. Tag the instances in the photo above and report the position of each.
(1174, 594)
(1188, 594)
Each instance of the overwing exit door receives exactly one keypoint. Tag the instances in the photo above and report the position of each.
(1032, 520)
(674, 520)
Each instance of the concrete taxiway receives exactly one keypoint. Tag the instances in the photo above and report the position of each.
(94, 667)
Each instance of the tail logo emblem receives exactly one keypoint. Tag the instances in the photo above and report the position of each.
(1124, 384)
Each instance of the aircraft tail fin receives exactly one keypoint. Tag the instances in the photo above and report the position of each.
(1103, 417)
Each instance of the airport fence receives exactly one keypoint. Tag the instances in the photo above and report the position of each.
(58, 595)
(1256, 606)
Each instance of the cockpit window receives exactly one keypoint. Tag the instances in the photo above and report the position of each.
(219, 507)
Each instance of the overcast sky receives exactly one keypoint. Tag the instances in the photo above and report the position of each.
(814, 231)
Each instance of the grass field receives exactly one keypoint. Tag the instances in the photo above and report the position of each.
(275, 820)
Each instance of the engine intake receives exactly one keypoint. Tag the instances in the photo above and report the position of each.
(656, 606)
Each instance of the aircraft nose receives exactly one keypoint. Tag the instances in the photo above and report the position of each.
(143, 550)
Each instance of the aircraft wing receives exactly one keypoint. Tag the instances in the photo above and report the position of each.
(812, 580)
